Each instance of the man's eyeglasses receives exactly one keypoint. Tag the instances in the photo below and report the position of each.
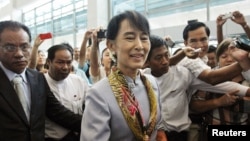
(195, 42)
(13, 48)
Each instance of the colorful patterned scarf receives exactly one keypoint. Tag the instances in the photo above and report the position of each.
(130, 106)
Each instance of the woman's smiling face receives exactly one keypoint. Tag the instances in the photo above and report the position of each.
(131, 46)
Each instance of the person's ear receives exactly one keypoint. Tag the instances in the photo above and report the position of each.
(185, 42)
(110, 45)
(48, 62)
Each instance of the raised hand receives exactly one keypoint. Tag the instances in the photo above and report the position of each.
(38, 41)
(241, 56)
(238, 18)
(191, 52)
(220, 21)
(229, 98)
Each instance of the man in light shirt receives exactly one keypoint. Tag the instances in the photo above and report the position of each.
(15, 124)
(68, 88)
(173, 82)
(196, 35)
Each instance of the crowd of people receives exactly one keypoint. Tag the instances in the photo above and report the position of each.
(134, 90)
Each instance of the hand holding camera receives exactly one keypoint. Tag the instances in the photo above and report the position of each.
(191, 52)
(101, 33)
(239, 49)
(242, 43)
(227, 16)
(169, 41)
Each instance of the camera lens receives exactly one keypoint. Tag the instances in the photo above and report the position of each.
(243, 43)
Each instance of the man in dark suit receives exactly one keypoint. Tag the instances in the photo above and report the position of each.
(15, 125)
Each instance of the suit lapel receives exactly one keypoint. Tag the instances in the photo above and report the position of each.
(8, 93)
(34, 95)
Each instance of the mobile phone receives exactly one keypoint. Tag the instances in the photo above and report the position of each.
(170, 43)
(197, 50)
(227, 16)
(101, 33)
(44, 36)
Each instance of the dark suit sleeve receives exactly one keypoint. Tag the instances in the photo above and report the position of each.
(56, 112)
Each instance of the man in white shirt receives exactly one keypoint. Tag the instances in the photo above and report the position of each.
(196, 35)
(173, 82)
(68, 88)
(20, 122)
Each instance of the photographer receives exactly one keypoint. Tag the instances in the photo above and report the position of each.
(99, 67)
(236, 17)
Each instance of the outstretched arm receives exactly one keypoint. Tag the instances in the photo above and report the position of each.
(220, 75)
(94, 56)
(34, 53)
(200, 106)
(228, 72)
(186, 51)
(86, 37)
(220, 22)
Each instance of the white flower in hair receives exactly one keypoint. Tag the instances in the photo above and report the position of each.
(112, 56)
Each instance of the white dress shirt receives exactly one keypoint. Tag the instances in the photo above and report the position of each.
(11, 75)
(246, 75)
(175, 98)
(71, 93)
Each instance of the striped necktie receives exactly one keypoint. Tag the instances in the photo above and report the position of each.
(18, 85)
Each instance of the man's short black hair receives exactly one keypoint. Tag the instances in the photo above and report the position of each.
(193, 26)
(211, 48)
(52, 50)
(14, 25)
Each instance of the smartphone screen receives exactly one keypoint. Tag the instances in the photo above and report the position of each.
(44, 36)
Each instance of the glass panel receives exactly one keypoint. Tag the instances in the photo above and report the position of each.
(61, 3)
(57, 25)
(40, 18)
(57, 12)
(67, 23)
(81, 18)
(161, 7)
(29, 18)
(67, 9)
(157, 8)
(122, 5)
(79, 4)
(44, 9)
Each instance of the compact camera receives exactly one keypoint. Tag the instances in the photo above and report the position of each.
(101, 33)
(227, 16)
(242, 43)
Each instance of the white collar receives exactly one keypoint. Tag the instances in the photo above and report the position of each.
(10, 74)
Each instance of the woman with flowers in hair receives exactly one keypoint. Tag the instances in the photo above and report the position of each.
(125, 105)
